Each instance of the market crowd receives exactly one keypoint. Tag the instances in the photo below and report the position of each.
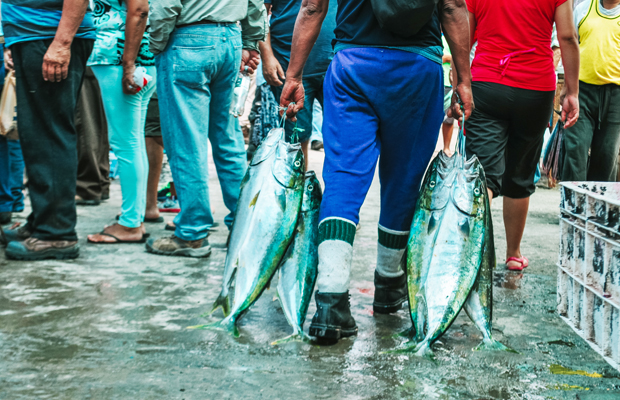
(140, 76)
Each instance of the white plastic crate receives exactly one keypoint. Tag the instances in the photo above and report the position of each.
(597, 202)
(589, 264)
(593, 317)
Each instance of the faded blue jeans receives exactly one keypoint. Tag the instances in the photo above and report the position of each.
(11, 176)
(197, 72)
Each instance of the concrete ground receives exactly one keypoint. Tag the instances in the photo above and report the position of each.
(111, 325)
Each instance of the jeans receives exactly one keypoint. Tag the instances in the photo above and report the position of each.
(45, 116)
(313, 88)
(197, 73)
(11, 176)
(317, 122)
(126, 115)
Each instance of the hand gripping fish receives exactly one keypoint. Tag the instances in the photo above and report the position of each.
(265, 220)
(299, 267)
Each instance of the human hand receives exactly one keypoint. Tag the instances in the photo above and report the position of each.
(56, 62)
(272, 71)
(250, 59)
(8, 59)
(128, 82)
(462, 92)
(293, 92)
(570, 110)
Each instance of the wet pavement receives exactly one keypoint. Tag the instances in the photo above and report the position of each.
(112, 324)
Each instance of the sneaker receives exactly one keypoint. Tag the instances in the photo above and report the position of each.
(17, 234)
(5, 218)
(33, 249)
(170, 205)
(390, 294)
(333, 319)
(173, 246)
(316, 145)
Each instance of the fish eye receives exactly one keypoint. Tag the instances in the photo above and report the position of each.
(477, 191)
(310, 187)
(432, 184)
(297, 163)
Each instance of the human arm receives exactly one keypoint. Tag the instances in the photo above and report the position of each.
(307, 28)
(555, 47)
(8, 59)
(135, 24)
(569, 44)
(163, 19)
(253, 30)
(272, 70)
(455, 23)
(58, 55)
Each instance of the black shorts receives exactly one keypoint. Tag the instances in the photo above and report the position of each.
(152, 127)
(506, 132)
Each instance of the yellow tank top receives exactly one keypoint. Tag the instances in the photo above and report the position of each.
(599, 48)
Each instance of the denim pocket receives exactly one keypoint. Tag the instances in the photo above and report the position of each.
(192, 66)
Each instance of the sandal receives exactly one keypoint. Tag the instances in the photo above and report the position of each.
(523, 261)
(119, 241)
(147, 220)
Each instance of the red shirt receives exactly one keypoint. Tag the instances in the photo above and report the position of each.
(514, 42)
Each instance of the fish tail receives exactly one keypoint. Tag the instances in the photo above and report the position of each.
(424, 350)
(299, 336)
(227, 324)
(408, 333)
(491, 344)
(221, 302)
(403, 349)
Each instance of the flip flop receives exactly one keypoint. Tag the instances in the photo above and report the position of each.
(119, 241)
(523, 261)
(147, 220)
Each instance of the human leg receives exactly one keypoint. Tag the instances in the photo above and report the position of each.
(606, 139)
(578, 138)
(408, 134)
(93, 145)
(45, 115)
(6, 197)
(17, 174)
(126, 115)
(155, 155)
(530, 117)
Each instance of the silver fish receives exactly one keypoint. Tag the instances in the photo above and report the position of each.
(261, 161)
(263, 229)
(299, 267)
(479, 304)
(445, 246)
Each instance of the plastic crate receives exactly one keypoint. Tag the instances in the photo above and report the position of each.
(596, 202)
(593, 317)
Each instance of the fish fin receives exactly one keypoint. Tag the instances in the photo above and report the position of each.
(493, 345)
(221, 302)
(227, 325)
(408, 333)
(295, 337)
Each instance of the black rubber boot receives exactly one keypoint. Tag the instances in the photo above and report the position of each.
(333, 319)
(390, 294)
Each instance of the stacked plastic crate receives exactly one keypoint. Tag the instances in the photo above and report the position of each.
(589, 264)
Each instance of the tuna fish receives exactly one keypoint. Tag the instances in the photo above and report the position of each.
(445, 246)
(479, 304)
(262, 160)
(265, 220)
(299, 266)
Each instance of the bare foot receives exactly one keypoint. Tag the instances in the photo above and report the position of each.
(118, 231)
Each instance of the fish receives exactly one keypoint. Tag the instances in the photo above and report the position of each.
(265, 221)
(262, 159)
(479, 304)
(445, 246)
(299, 267)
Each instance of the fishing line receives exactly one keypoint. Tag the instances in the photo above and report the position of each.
(296, 129)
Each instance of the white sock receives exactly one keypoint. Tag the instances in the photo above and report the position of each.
(390, 250)
(334, 266)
